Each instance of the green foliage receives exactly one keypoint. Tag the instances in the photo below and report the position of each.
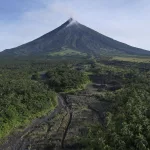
(127, 125)
(36, 76)
(133, 59)
(67, 52)
(22, 100)
(66, 79)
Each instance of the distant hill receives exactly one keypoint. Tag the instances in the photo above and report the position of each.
(73, 38)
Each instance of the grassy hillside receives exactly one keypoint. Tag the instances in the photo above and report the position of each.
(133, 59)
(67, 52)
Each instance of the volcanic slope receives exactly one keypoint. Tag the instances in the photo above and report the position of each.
(75, 38)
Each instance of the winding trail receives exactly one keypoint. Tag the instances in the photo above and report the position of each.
(16, 141)
(69, 111)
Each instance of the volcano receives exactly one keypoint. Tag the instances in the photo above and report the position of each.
(73, 37)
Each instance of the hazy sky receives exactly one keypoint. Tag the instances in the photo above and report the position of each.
(125, 20)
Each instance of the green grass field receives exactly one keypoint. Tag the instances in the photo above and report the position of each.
(67, 52)
(133, 59)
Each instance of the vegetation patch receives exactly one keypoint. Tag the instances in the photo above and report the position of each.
(67, 52)
(21, 101)
(66, 79)
(112, 113)
(128, 129)
(133, 59)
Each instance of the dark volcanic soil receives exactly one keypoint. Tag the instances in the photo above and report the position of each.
(61, 127)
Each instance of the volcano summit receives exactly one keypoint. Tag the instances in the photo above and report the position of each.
(76, 38)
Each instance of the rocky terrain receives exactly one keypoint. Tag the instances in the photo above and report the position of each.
(61, 128)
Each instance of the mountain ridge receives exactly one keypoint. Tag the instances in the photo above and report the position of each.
(78, 37)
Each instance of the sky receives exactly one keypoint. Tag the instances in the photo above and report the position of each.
(127, 21)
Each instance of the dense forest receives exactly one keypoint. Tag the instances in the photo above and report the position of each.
(127, 125)
(25, 95)
(29, 89)
(22, 100)
(66, 79)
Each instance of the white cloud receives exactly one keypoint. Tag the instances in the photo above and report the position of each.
(122, 20)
